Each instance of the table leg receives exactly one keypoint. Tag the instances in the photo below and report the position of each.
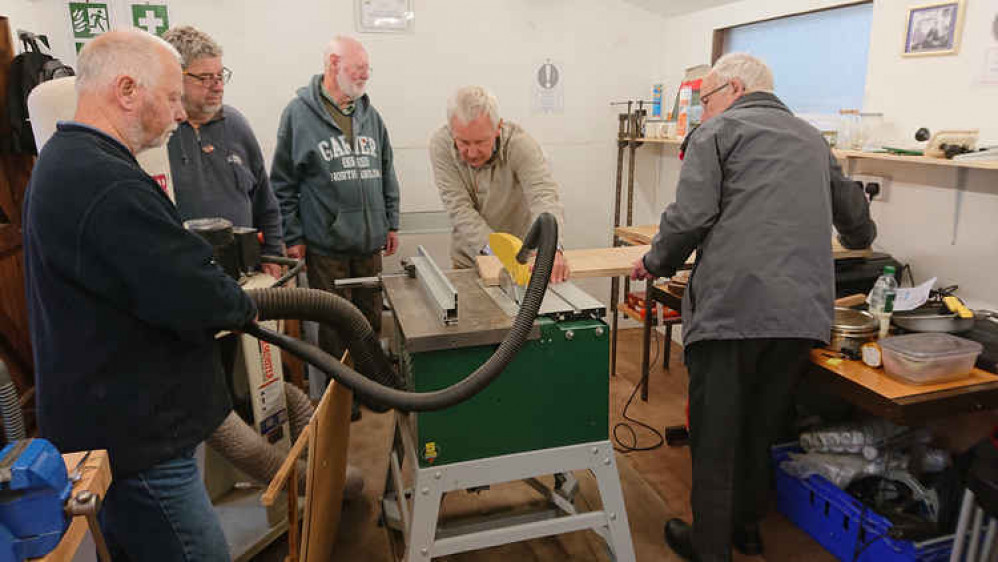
(614, 296)
(646, 341)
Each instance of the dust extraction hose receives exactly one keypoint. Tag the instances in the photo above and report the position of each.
(249, 451)
(383, 387)
(10, 407)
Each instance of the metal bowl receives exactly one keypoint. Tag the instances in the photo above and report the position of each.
(931, 320)
(852, 328)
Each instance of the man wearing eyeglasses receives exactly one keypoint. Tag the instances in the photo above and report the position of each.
(758, 194)
(215, 159)
(334, 175)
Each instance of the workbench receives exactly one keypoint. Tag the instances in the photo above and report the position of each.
(95, 477)
(867, 388)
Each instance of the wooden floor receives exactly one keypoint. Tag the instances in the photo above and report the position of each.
(667, 470)
(663, 474)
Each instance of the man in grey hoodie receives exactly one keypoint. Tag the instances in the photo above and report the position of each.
(335, 181)
(758, 194)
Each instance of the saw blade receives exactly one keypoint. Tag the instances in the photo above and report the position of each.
(510, 288)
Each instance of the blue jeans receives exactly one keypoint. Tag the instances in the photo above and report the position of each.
(163, 514)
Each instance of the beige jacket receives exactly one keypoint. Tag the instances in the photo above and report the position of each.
(505, 195)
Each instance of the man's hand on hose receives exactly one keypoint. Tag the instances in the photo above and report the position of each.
(272, 269)
(297, 251)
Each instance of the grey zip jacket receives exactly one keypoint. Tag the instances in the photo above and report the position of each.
(758, 193)
(335, 198)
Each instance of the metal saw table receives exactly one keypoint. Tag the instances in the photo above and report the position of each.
(546, 414)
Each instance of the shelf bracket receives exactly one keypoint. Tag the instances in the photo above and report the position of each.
(961, 186)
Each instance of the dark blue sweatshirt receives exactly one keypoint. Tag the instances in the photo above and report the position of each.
(123, 304)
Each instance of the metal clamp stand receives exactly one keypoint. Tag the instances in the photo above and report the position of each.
(87, 504)
(628, 133)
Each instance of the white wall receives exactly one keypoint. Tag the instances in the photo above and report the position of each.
(916, 223)
(608, 49)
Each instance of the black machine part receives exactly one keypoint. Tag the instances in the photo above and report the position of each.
(382, 386)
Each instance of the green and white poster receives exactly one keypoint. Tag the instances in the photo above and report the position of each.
(151, 17)
(88, 20)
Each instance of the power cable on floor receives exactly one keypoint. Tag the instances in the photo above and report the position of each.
(660, 440)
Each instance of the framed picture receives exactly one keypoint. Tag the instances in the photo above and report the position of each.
(933, 29)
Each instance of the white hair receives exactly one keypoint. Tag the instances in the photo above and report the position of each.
(128, 52)
(470, 103)
(337, 46)
(751, 71)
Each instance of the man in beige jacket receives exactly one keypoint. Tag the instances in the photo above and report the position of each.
(492, 177)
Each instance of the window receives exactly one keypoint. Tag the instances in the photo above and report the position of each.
(818, 58)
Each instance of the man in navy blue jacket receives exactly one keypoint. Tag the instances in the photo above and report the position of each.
(124, 303)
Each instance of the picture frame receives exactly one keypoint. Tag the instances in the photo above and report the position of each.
(933, 29)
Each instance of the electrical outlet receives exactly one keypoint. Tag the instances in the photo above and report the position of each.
(883, 182)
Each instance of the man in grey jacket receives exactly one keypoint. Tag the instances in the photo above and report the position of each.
(492, 177)
(215, 159)
(334, 176)
(757, 197)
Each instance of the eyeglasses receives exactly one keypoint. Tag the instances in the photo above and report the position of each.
(703, 97)
(208, 80)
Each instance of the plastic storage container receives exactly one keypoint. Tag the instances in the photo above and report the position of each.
(929, 358)
(842, 524)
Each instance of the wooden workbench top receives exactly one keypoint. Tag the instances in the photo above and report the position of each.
(642, 234)
(95, 476)
(879, 382)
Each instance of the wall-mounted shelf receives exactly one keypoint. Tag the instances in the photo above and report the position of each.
(921, 160)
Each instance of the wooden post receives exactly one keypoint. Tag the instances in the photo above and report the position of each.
(15, 169)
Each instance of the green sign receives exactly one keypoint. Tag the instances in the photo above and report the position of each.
(89, 19)
(150, 17)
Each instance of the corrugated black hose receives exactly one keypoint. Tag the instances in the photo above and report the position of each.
(381, 386)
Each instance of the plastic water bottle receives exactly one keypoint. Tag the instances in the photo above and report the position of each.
(881, 300)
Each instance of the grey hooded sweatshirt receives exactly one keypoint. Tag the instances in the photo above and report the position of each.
(758, 193)
(335, 198)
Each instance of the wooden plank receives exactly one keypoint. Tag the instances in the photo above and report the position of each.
(287, 467)
(879, 382)
(643, 234)
(595, 262)
(327, 465)
(95, 476)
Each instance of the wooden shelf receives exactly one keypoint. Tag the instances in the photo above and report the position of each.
(923, 160)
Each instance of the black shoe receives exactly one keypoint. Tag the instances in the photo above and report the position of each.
(679, 537)
(747, 540)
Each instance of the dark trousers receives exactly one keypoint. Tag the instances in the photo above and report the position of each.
(323, 270)
(740, 397)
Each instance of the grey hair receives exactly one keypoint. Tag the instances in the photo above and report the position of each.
(336, 46)
(751, 71)
(127, 52)
(471, 102)
(192, 44)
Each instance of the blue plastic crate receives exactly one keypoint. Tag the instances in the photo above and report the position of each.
(832, 517)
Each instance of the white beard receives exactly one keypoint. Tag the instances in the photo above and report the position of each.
(347, 87)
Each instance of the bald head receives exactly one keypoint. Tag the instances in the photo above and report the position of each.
(129, 86)
(131, 52)
(346, 68)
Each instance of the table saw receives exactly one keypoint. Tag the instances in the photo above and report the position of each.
(546, 414)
